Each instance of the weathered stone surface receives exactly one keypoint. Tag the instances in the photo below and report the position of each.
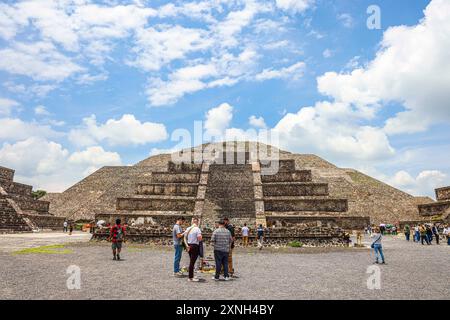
(366, 197)
(443, 194)
(19, 211)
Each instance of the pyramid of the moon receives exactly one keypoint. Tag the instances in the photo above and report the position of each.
(304, 189)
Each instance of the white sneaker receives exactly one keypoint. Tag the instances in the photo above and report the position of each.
(194, 280)
(178, 274)
(215, 279)
(227, 279)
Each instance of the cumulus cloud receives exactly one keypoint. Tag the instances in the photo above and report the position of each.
(41, 111)
(13, 129)
(40, 61)
(257, 122)
(293, 72)
(294, 6)
(419, 81)
(218, 119)
(125, 131)
(7, 105)
(423, 184)
(48, 165)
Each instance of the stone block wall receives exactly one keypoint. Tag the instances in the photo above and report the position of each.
(155, 204)
(6, 174)
(443, 194)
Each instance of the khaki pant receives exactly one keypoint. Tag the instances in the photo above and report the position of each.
(230, 262)
(245, 241)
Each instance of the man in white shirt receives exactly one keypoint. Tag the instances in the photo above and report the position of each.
(245, 232)
(192, 238)
(447, 234)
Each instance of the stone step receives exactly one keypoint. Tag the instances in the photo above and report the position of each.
(295, 189)
(155, 204)
(189, 189)
(184, 167)
(286, 165)
(305, 204)
(168, 177)
(296, 176)
(304, 214)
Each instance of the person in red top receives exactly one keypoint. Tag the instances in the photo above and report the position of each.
(117, 237)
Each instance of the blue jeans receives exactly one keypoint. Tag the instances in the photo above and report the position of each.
(176, 262)
(448, 241)
(378, 252)
(221, 259)
(407, 236)
(417, 236)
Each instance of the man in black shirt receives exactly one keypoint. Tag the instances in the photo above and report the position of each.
(230, 228)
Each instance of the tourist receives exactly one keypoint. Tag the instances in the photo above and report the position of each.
(230, 228)
(245, 231)
(407, 231)
(423, 234)
(260, 236)
(192, 238)
(377, 247)
(447, 234)
(429, 234)
(70, 228)
(65, 224)
(222, 240)
(435, 231)
(117, 237)
(177, 235)
(416, 233)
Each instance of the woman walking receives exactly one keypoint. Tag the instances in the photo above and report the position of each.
(377, 247)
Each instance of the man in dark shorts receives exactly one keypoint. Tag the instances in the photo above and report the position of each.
(117, 237)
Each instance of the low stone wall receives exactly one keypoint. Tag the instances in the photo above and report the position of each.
(167, 189)
(435, 208)
(29, 204)
(312, 237)
(169, 177)
(20, 188)
(345, 222)
(45, 221)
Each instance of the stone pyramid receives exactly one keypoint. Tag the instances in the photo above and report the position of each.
(305, 189)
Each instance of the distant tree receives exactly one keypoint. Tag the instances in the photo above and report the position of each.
(38, 194)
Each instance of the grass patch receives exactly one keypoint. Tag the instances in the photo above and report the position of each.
(50, 249)
(295, 244)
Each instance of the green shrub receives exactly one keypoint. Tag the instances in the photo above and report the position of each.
(295, 244)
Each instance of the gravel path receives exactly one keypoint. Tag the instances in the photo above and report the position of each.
(413, 272)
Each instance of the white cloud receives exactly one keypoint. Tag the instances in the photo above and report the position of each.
(41, 111)
(423, 184)
(346, 19)
(125, 131)
(327, 53)
(156, 47)
(40, 61)
(6, 106)
(257, 122)
(294, 6)
(331, 129)
(419, 53)
(16, 129)
(293, 72)
(48, 165)
(218, 119)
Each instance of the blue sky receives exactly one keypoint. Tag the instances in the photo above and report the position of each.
(90, 83)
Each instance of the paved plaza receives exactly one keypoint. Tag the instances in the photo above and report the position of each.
(413, 272)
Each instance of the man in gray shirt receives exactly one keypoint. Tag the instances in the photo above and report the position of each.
(177, 235)
(222, 239)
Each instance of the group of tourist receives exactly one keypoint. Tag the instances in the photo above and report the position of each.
(223, 240)
(67, 227)
(425, 233)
